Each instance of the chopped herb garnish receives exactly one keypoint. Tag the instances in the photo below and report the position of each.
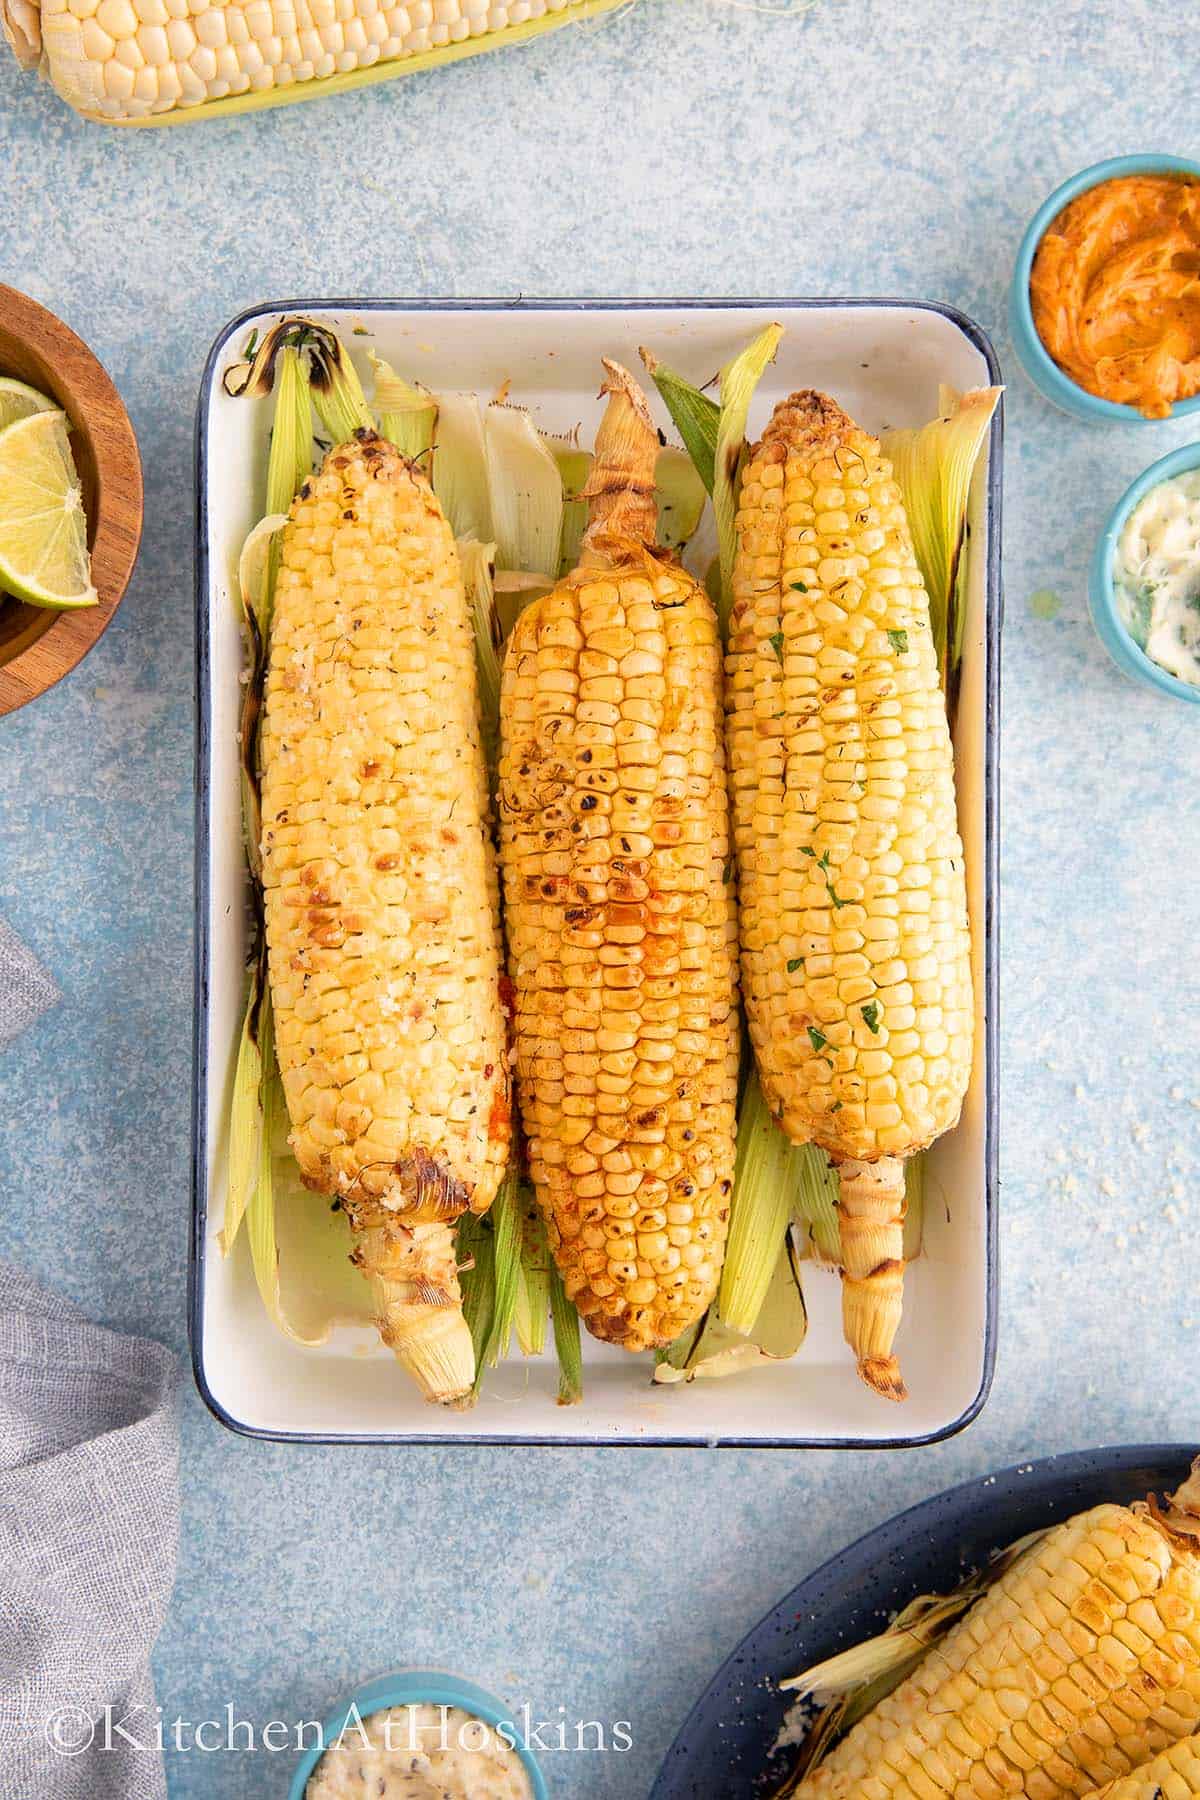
(794, 963)
(836, 1107)
(727, 873)
(807, 850)
(816, 1038)
(776, 643)
(899, 641)
(799, 587)
(870, 1013)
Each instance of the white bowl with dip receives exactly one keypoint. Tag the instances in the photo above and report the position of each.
(419, 1732)
(1144, 588)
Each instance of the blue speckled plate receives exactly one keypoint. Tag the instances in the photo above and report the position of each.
(725, 1743)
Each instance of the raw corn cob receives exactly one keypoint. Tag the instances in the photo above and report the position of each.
(1172, 1775)
(138, 62)
(1076, 1666)
(854, 933)
(614, 841)
(380, 890)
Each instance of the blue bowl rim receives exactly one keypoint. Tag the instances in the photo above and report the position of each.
(1130, 657)
(1036, 360)
(407, 1687)
(954, 1516)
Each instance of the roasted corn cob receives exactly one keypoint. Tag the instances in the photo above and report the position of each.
(855, 943)
(134, 62)
(614, 840)
(1081, 1661)
(380, 890)
(1172, 1775)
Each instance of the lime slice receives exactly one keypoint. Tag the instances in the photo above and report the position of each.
(43, 532)
(18, 400)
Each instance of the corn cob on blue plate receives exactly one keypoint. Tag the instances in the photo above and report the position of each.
(725, 1744)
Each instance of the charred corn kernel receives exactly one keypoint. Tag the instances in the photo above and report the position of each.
(130, 61)
(1082, 1661)
(1172, 1775)
(614, 840)
(379, 886)
(855, 943)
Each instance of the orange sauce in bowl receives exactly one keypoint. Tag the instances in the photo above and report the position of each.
(1115, 291)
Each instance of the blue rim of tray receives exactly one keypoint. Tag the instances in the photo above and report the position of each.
(198, 1242)
(724, 1743)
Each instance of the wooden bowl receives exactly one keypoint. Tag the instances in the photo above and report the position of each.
(37, 645)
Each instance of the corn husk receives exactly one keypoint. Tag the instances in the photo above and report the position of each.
(711, 1350)
(478, 568)
(761, 1207)
(407, 414)
(245, 1120)
(681, 498)
(739, 379)
(526, 491)
(567, 1348)
(533, 1290)
(574, 467)
(460, 470)
(934, 466)
(694, 415)
(846, 1687)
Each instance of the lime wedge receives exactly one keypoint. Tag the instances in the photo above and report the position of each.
(43, 532)
(18, 400)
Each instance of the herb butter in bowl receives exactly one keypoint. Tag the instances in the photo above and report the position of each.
(1145, 580)
(419, 1735)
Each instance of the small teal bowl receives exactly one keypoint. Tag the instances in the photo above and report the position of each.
(1032, 354)
(417, 1687)
(1102, 594)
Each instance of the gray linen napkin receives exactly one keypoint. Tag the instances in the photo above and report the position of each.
(89, 1525)
(26, 991)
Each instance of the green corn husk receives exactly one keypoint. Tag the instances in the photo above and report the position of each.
(505, 1216)
(337, 392)
(245, 1120)
(565, 1320)
(934, 466)
(763, 1183)
(460, 471)
(474, 1246)
(739, 379)
(533, 1293)
(694, 415)
(710, 1349)
(407, 414)
(680, 496)
(574, 467)
(479, 570)
(849, 1685)
(526, 492)
(260, 1208)
(815, 1200)
(249, 1183)
(914, 1199)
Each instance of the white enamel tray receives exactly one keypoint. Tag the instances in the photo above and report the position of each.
(883, 359)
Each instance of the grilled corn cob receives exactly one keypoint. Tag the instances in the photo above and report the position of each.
(1081, 1661)
(621, 932)
(380, 891)
(1172, 1775)
(142, 61)
(855, 944)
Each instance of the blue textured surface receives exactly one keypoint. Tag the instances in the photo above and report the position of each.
(687, 146)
